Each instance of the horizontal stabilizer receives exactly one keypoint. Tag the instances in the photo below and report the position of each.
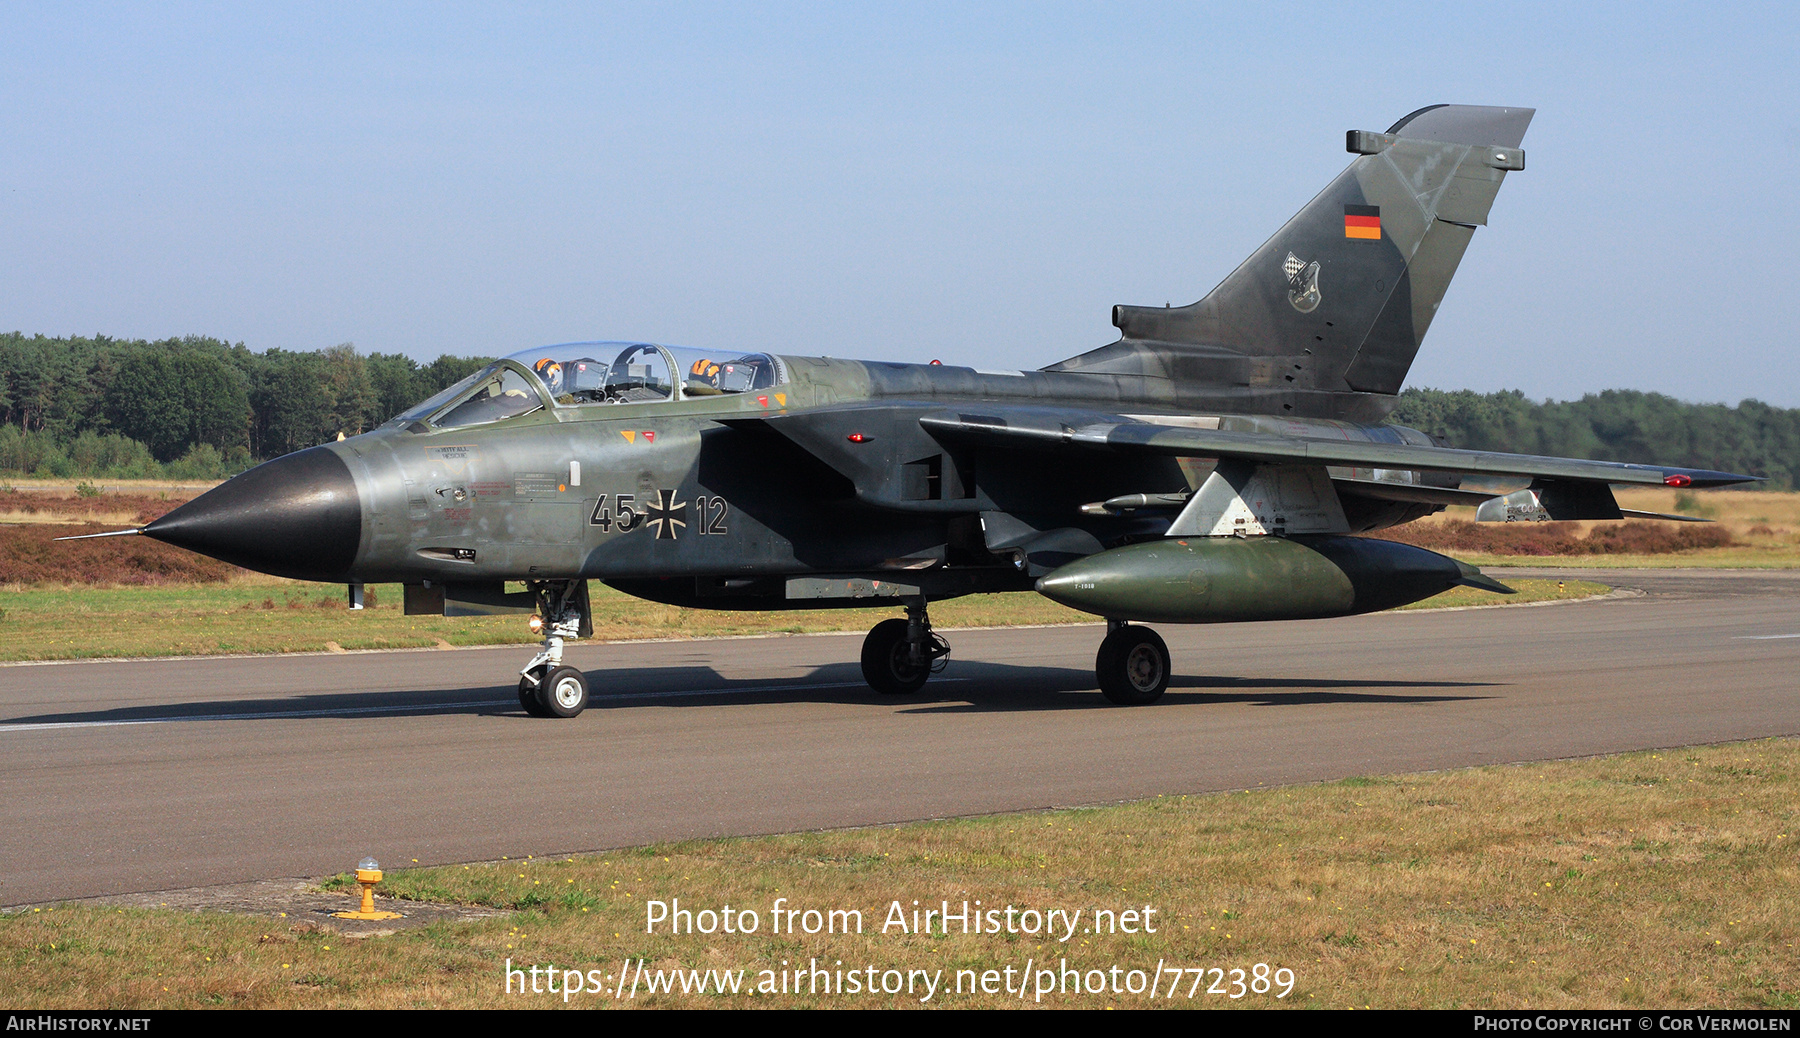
(1560, 500)
(1410, 493)
(1632, 513)
(1414, 493)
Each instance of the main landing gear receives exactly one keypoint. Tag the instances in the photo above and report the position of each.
(546, 687)
(1132, 665)
(899, 655)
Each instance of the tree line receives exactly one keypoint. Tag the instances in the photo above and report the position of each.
(1752, 438)
(200, 408)
(194, 407)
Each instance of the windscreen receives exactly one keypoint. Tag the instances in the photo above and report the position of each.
(504, 393)
(436, 400)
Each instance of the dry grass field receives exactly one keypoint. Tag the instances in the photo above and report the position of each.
(1748, 529)
(1659, 879)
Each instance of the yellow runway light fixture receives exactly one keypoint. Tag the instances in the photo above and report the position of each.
(368, 873)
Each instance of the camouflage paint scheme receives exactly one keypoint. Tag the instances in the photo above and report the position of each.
(1205, 467)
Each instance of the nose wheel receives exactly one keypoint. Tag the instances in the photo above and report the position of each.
(558, 692)
(528, 696)
(1132, 665)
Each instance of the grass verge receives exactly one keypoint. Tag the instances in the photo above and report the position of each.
(271, 616)
(1658, 879)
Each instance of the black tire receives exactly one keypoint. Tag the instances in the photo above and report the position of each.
(563, 693)
(528, 698)
(884, 664)
(1132, 666)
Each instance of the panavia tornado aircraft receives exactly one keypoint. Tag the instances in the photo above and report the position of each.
(1210, 466)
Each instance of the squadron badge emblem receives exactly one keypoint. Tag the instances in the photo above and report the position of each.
(1303, 283)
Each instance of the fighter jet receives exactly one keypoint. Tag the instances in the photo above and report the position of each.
(1210, 466)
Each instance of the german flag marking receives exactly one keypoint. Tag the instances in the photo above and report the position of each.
(1362, 221)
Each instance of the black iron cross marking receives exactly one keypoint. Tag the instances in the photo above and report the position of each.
(667, 514)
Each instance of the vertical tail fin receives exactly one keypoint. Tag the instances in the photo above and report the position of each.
(1345, 291)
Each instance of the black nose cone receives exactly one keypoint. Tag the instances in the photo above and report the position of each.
(297, 516)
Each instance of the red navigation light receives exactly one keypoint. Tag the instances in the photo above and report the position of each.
(1679, 479)
(936, 361)
(858, 438)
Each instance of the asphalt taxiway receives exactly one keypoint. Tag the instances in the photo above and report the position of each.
(153, 775)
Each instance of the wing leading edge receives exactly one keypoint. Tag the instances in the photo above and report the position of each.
(1048, 428)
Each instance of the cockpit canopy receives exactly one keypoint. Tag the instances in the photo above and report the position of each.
(635, 372)
(582, 373)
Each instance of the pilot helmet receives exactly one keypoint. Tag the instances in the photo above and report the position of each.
(705, 371)
(551, 372)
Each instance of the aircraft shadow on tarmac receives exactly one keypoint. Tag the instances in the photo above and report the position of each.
(989, 687)
(965, 687)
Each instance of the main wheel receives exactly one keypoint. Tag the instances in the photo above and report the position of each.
(884, 663)
(528, 698)
(563, 692)
(1133, 666)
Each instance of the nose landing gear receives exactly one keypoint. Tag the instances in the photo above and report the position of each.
(547, 688)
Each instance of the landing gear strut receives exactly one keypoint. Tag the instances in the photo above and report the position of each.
(546, 687)
(899, 655)
(1132, 665)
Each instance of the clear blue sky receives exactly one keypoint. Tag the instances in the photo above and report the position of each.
(976, 183)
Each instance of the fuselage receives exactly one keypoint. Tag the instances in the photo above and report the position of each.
(714, 494)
